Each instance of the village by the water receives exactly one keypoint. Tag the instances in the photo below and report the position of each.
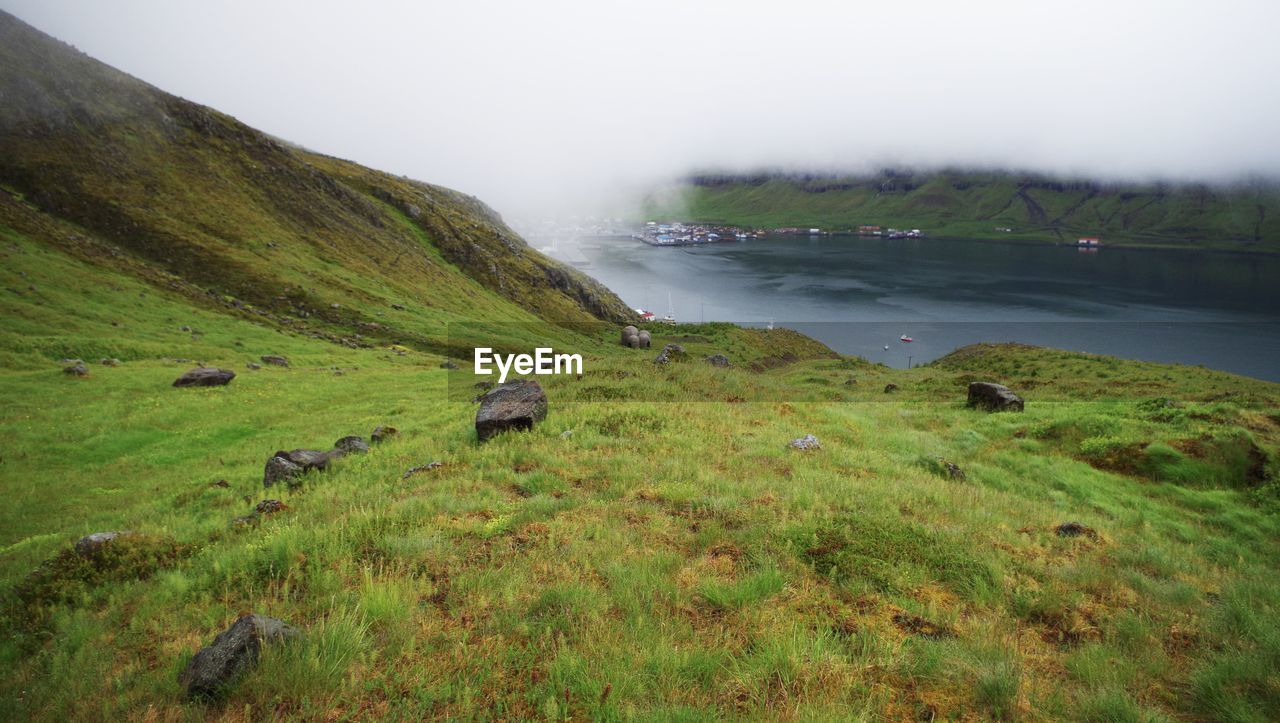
(549, 232)
(676, 233)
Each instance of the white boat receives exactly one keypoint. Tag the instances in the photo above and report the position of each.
(670, 318)
(905, 338)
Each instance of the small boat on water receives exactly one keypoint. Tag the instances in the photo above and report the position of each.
(905, 338)
(670, 318)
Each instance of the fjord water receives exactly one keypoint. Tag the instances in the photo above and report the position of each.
(858, 295)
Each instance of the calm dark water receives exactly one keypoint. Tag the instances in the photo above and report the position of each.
(858, 295)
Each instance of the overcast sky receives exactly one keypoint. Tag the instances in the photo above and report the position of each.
(550, 104)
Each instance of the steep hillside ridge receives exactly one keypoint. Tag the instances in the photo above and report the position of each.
(118, 172)
(971, 204)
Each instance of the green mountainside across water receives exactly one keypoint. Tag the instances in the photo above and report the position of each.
(982, 205)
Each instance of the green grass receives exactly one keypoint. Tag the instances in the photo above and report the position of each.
(671, 550)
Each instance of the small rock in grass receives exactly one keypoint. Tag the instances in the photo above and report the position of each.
(76, 370)
(252, 366)
(109, 362)
(806, 442)
(92, 544)
(351, 445)
(421, 468)
(270, 507)
(953, 470)
(274, 360)
(718, 360)
(670, 353)
(448, 364)
(220, 483)
(382, 433)
(205, 377)
(1075, 529)
(214, 668)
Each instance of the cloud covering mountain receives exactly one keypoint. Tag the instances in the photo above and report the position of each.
(559, 104)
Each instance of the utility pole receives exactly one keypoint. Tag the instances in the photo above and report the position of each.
(909, 362)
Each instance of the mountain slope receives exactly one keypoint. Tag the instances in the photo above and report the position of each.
(113, 170)
(963, 204)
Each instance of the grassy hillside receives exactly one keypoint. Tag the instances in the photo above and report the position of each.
(962, 205)
(114, 171)
(653, 550)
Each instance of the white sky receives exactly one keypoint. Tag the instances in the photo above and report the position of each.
(554, 105)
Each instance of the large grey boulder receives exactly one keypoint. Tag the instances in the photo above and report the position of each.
(993, 397)
(309, 459)
(205, 377)
(290, 466)
(629, 331)
(515, 405)
(214, 668)
(644, 339)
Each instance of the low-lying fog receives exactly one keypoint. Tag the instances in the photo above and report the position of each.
(556, 105)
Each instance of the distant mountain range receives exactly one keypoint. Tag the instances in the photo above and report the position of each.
(988, 205)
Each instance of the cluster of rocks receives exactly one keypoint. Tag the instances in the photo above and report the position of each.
(78, 367)
(289, 467)
(718, 360)
(635, 338)
(513, 406)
